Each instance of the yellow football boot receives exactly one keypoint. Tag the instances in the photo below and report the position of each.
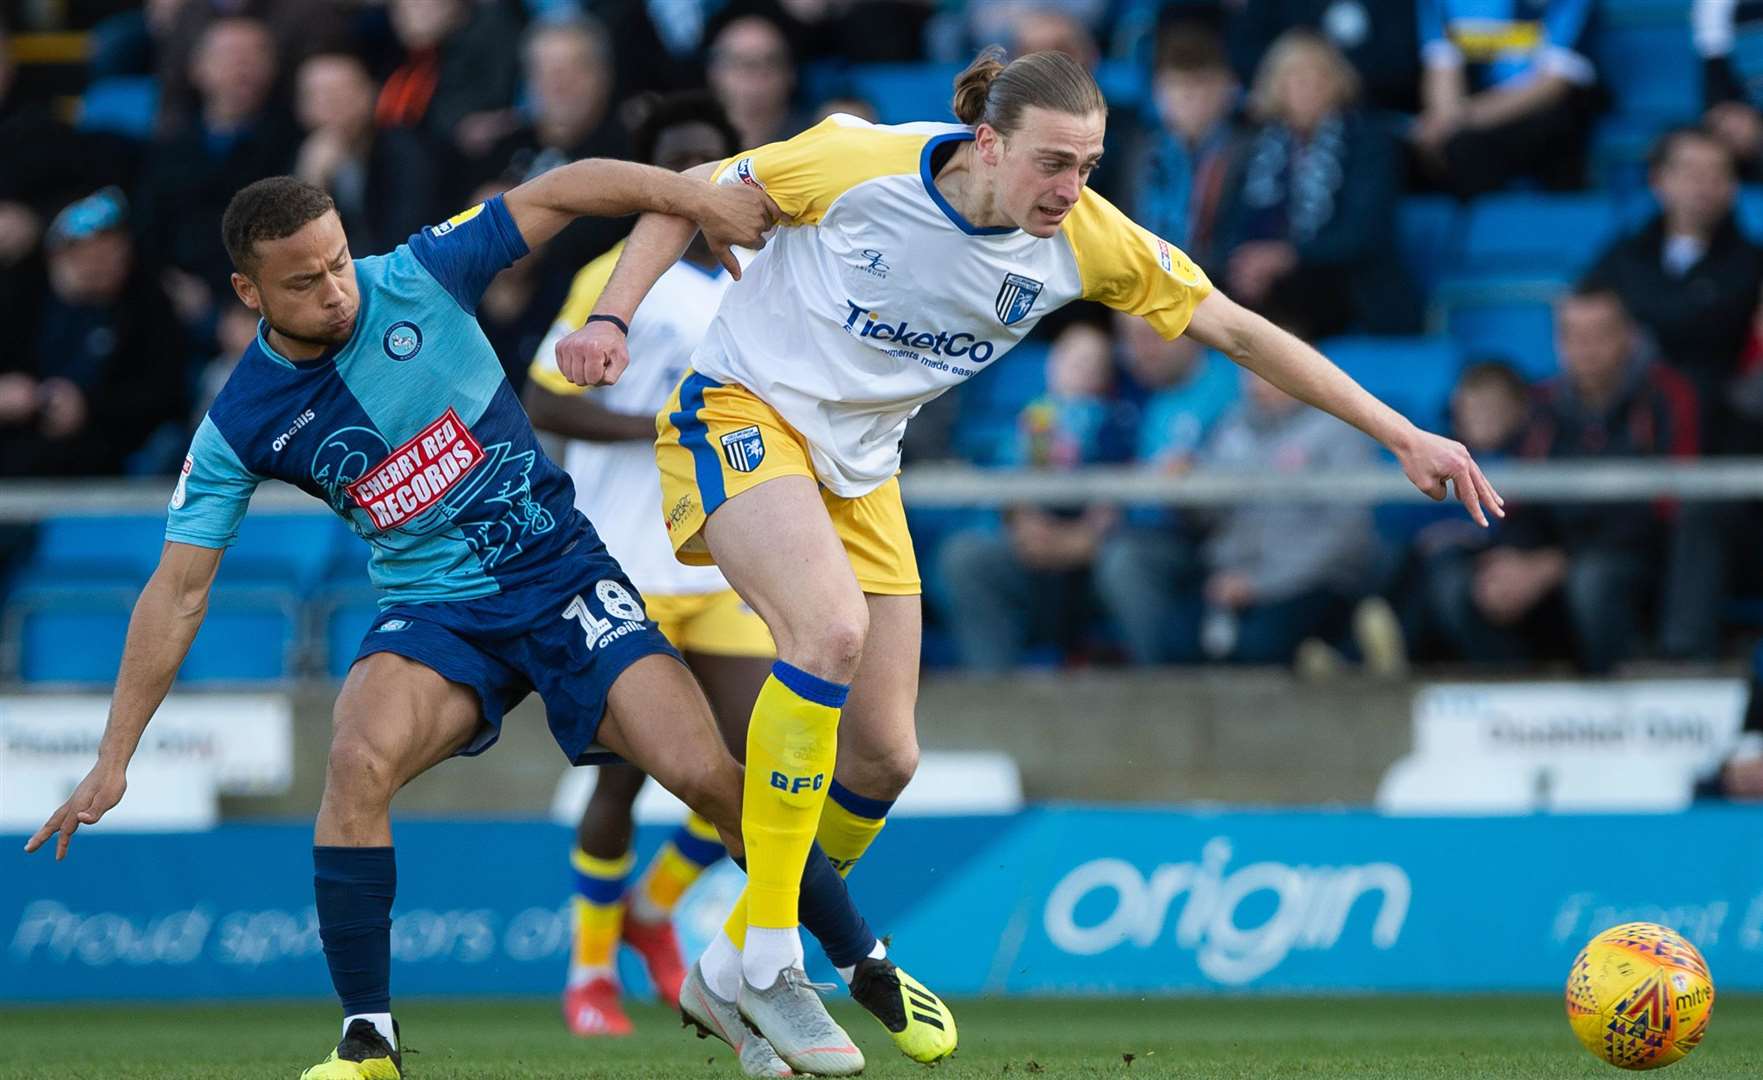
(917, 1020)
(363, 1054)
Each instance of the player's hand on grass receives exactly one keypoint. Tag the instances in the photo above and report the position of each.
(735, 215)
(1431, 462)
(97, 794)
(595, 355)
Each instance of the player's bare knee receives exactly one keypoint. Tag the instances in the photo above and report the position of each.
(359, 771)
(713, 790)
(884, 773)
(832, 647)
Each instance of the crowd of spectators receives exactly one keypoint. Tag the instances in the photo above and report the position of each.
(1274, 141)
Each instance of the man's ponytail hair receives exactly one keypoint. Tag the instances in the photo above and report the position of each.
(992, 92)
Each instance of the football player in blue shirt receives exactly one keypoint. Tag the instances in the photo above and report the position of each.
(370, 386)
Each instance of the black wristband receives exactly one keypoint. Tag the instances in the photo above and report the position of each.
(614, 320)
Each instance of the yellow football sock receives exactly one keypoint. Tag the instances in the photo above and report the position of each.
(792, 743)
(849, 823)
(599, 912)
(684, 855)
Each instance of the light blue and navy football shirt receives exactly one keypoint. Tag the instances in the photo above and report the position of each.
(410, 431)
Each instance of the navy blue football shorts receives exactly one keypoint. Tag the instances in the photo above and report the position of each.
(568, 637)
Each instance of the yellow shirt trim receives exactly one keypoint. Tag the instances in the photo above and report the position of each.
(806, 174)
(1130, 269)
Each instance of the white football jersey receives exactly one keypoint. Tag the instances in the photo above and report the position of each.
(617, 484)
(875, 295)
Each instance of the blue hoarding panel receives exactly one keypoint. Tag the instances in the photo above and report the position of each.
(1053, 900)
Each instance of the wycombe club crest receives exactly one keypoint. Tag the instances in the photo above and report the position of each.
(1016, 297)
(744, 449)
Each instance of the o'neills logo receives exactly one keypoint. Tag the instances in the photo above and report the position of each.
(416, 475)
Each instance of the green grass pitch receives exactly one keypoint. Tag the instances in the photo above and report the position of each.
(1216, 1038)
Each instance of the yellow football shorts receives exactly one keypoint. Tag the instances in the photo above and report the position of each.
(714, 441)
(715, 624)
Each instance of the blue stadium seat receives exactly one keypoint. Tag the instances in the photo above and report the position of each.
(251, 634)
(991, 401)
(292, 551)
(1512, 320)
(1750, 210)
(1414, 375)
(121, 104)
(69, 633)
(902, 93)
(1429, 234)
(345, 615)
(1544, 235)
(96, 550)
(1650, 67)
(1124, 83)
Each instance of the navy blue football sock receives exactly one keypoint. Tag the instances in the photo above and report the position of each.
(827, 912)
(355, 887)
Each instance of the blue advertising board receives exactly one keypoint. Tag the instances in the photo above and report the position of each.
(1051, 900)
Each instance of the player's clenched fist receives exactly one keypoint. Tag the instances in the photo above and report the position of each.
(595, 355)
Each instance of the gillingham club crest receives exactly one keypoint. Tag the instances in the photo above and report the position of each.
(1016, 297)
(744, 449)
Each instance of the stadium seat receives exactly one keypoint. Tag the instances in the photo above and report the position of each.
(1415, 375)
(1125, 84)
(1513, 320)
(991, 401)
(252, 633)
(1750, 210)
(287, 550)
(68, 633)
(344, 617)
(902, 93)
(1650, 66)
(1429, 234)
(95, 550)
(1542, 235)
(123, 105)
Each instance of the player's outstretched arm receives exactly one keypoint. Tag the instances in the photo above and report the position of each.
(164, 623)
(599, 187)
(1277, 356)
(595, 355)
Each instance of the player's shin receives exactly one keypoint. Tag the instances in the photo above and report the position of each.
(792, 743)
(598, 908)
(354, 889)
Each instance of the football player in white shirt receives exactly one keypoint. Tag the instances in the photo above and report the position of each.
(908, 258)
(611, 459)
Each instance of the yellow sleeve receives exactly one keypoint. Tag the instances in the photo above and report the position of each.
(584, 293)
(1131, 269)
(804, 174)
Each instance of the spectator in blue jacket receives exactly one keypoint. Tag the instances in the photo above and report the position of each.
(1180, 163)
(1507, 92)
(1308, 221)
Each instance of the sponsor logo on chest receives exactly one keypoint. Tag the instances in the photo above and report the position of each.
(281, 441)
(417, 475)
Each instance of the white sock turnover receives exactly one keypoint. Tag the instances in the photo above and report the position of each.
(382, 1023)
